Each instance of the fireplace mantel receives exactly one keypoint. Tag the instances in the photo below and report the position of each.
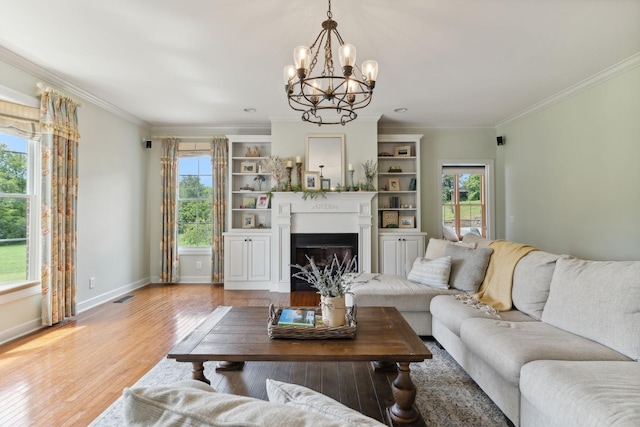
(345, 212)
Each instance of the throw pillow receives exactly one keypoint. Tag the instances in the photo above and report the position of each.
(314, 402)
(479, 241)
(468, 267)
(180, 405)
(449, 233)
(436, 247)
(434, 273)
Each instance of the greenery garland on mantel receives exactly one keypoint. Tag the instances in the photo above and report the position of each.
(313, 194)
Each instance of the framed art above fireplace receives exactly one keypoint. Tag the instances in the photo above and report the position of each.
(325, 154)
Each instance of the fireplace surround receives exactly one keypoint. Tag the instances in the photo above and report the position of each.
(336, 213)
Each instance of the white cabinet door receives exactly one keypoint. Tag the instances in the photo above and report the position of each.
(413, 248)
(235, 258)
(389, 254)
(259, 261)
(247, 261)
(396, 249)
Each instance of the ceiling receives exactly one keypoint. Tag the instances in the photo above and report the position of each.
(200, 63)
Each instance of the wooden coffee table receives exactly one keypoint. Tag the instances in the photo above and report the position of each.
(234, 335)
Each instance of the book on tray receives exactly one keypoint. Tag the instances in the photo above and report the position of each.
(297, 317)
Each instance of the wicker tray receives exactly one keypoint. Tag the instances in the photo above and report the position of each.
(316, 333)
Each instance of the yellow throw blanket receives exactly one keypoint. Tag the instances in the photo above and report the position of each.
(495, 290)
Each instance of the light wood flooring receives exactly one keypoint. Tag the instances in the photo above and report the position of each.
(68, 374)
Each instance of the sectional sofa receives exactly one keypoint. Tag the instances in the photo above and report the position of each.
(563, 347)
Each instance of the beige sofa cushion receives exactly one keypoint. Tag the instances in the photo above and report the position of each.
(531, 282)
(189, 404)
(451, 313)
(580, 394)
(599, 300)
(309, 400)
(390, 290)
(507, 346)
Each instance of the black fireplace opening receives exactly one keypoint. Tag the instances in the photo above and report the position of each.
(321, 247)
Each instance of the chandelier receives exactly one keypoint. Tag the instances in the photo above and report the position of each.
(322, 96)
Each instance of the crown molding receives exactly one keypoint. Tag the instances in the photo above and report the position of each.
(207, 131)
(64, 85)
(595, 80)
(395, 127)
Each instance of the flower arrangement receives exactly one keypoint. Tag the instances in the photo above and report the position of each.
(275, 166)
(334, 280)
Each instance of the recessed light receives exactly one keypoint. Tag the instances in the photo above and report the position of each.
(250, 110)
(401, 110)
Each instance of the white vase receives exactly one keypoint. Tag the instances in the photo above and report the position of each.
(333, 311)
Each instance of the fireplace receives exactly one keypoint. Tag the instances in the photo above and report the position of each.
(347, 212)
(321, 248)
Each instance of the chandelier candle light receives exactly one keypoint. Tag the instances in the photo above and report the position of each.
(322, 96)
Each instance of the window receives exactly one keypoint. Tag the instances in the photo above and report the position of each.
(464, 206)
(195, 199)
(18, 225)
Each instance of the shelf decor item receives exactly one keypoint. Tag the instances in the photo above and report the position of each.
(252, 152)
(389, 219)
(248, 221)
(248, 167)
(332, 282)
(275, 166)
(370, 170)
(407, 222)
(403, 151)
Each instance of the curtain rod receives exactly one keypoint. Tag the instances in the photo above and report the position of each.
(207, 138)
(42, 88)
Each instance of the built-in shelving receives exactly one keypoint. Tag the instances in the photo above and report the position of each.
(247, 184)
(398, 182)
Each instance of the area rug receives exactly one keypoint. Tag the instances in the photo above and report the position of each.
(447, 396)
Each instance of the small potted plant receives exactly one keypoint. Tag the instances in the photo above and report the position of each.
(332, 282)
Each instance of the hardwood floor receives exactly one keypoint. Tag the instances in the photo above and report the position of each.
(68, 374)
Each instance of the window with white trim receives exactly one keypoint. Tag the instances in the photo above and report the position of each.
(18, 210)
(195, 192)
(465, 197)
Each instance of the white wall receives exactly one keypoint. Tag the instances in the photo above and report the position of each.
(112, 209)
(571, 174)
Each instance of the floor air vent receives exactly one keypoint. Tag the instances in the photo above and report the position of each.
(123, 299)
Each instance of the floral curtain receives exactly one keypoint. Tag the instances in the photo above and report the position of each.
(59, 127)
(169, 237)
(219, 150)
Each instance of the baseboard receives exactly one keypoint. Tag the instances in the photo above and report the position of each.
(20, 330)
(108, 296)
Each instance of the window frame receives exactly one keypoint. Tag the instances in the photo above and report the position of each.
(488, 165)
(32, 196)
(195, 153)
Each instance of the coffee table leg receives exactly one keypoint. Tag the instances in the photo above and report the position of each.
(404, 393)
(198, 372)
